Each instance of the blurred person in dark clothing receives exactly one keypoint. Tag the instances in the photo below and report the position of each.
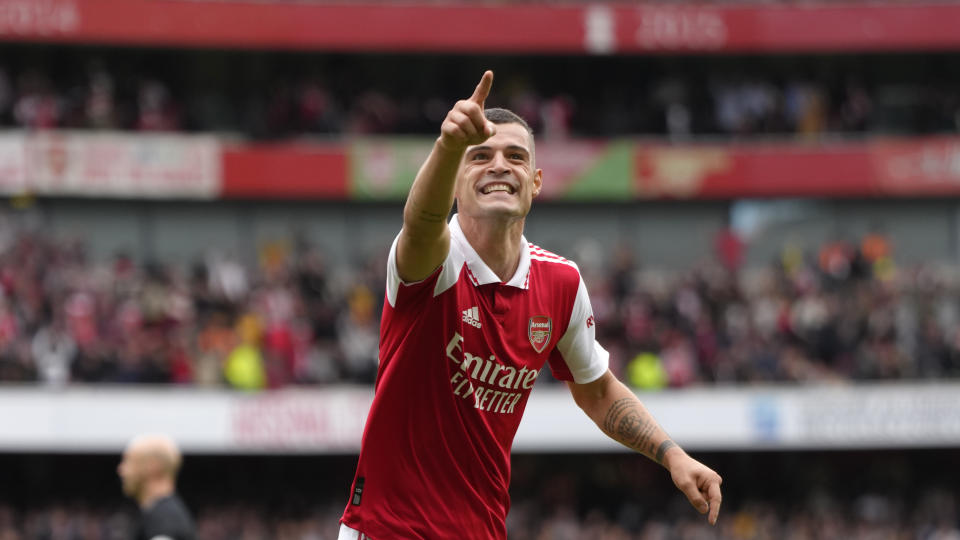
(149, 472)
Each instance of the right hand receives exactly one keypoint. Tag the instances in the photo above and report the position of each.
(465, 124)
(698, 482)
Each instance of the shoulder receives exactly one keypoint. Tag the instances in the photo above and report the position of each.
(166, 516)
(553, 266)
(168, 505)
(177, 504)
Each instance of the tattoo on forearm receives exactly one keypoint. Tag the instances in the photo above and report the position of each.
(625, 423)
(662, 451)
(432, 217)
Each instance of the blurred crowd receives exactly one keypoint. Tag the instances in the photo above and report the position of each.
(613, 497)
(64, 318)
(844, 312)
(348, 95)
(869, 517)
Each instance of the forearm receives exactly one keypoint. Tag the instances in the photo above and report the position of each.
(628, 422)
(431, 197)
(624, 418)
(424, 241)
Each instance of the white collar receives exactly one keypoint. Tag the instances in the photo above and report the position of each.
(482, 274)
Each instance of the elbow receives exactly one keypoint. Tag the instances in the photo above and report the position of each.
(578, 395)
(592, 406)
(591, 395)
(582, 401)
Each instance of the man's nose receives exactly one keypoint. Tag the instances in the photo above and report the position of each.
(498, 165)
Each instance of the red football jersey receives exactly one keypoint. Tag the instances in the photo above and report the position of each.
(459, 353)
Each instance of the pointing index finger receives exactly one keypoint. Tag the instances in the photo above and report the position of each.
(483, 88)
(713, 493)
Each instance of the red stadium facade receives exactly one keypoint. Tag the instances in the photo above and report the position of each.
(525, 27)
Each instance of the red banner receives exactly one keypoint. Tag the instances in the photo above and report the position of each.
(525, 28)
(758, 170)
(928, 167)
(889, 168)
(288, 171)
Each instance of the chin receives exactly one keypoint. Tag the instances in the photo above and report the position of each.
(129, 490)
(500, 208)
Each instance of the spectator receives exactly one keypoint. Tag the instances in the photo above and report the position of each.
(157, 111)
(359, 334)
(100, 106)
(6, 98)
(318, 112)
(244, 367)
(37, 105)
(54, 351)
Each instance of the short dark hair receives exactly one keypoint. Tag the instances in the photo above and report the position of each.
(506, 116)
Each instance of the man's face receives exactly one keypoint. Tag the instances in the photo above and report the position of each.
(131, 473)
(497, 178)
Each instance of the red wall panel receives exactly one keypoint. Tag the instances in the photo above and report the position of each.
(480, 27)
(285, 171)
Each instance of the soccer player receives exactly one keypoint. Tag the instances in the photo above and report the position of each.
(149, 472)
(472, 313)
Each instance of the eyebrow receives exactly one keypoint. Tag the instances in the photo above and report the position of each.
(508, 147)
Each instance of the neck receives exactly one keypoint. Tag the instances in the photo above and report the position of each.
(497, 241)
(155, 491)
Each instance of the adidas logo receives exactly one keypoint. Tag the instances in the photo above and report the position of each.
(472, 316)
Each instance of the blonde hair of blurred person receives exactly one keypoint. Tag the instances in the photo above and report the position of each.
(149, 468)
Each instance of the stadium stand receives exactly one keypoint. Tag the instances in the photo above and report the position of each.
(282, 94)
(847, 312)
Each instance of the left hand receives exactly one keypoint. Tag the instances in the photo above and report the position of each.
(698, 482)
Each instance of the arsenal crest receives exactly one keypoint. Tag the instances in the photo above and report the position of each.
(539, 330)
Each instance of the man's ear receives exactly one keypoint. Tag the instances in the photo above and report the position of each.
(537, 182)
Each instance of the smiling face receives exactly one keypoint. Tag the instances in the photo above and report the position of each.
(497, 178)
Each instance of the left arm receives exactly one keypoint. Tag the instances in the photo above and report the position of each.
(619, 414)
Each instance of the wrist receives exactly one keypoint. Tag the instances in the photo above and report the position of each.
(450, 147)
(672, 456)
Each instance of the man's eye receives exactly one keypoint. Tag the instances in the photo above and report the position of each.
(479, 156)
(516, 156)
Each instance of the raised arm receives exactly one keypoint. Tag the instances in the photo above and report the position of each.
(619, 414)
(425, 238)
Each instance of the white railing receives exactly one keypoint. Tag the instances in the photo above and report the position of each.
(330, 419)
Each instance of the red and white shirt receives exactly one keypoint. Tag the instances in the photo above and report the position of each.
(459, 353)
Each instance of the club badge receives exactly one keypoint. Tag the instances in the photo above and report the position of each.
(539, 330)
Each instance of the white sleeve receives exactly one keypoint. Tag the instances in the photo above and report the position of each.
(585, 358)
(449, 273)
